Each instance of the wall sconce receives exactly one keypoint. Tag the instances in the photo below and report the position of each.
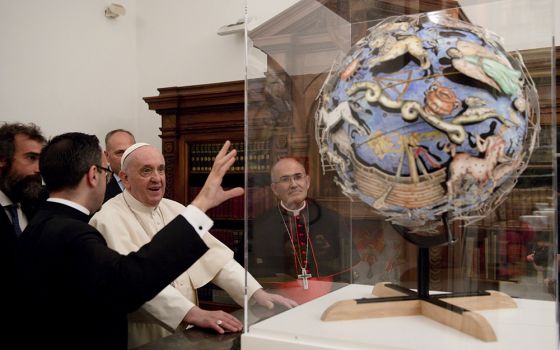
(114, 11)
(237, 27)
(233, 28)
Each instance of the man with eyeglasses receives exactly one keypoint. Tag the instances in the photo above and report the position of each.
(81, 289)
(133, 218)
(297, 240)
(108, 173)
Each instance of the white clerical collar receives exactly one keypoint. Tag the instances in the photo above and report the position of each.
(5, 200)
(294, 212)
(119, 181)
(70, 204)
(136, 204)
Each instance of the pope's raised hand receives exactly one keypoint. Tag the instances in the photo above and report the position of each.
(212, 193)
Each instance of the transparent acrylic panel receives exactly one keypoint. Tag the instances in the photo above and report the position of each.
(428, 144)
(298, 242)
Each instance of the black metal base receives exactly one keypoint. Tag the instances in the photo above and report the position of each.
(423, 269)
(432, 299)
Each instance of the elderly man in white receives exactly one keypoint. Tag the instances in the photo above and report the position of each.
(133, 217)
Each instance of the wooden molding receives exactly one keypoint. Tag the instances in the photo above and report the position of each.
(200, 113)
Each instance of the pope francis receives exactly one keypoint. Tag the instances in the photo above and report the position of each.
(132, 218)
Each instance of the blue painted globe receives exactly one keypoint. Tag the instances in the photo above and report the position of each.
(427, 116)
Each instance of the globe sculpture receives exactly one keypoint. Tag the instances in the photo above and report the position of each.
(427, 116)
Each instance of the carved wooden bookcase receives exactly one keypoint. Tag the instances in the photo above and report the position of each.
(192, 119)
(195, 122)
(191, 114)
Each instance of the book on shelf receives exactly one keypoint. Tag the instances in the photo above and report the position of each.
(486, 257)
(259, 200)
(469, 256)
(496, 247)
(475, 270)
(202, 156)
(493, 248)
(498, 253)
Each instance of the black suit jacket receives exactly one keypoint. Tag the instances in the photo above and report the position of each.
(76, 292)
(7, 241)
(8, 236)
(112, 189)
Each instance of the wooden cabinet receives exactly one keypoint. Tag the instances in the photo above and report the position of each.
(195, 122)
(210, 113)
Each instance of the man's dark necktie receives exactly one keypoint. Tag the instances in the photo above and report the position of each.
(12, 209)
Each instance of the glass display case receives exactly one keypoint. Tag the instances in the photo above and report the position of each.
(400, 169)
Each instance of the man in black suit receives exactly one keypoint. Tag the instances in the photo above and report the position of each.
(20, 183)
(73, 289)
(116, 142)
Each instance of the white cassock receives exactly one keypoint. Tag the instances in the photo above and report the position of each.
(127, 225)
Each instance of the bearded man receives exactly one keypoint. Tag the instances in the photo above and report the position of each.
(20, 183)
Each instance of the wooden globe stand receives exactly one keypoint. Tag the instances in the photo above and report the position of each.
(455, 310)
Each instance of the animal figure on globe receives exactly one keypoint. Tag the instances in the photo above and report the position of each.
(342, 112)
(390, 48)
(481, 169)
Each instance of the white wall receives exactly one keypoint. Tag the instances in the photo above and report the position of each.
(66, 67)
(178, 45)
(523, 24)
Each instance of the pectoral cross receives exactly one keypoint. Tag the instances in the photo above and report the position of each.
(304, 276)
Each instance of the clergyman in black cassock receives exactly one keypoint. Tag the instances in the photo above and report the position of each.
(297, 241)
(329, 255)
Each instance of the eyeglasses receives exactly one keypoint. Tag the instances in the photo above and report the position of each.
(108, 172)
(286, 179)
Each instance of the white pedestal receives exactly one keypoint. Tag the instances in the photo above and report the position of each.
(531, 326)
